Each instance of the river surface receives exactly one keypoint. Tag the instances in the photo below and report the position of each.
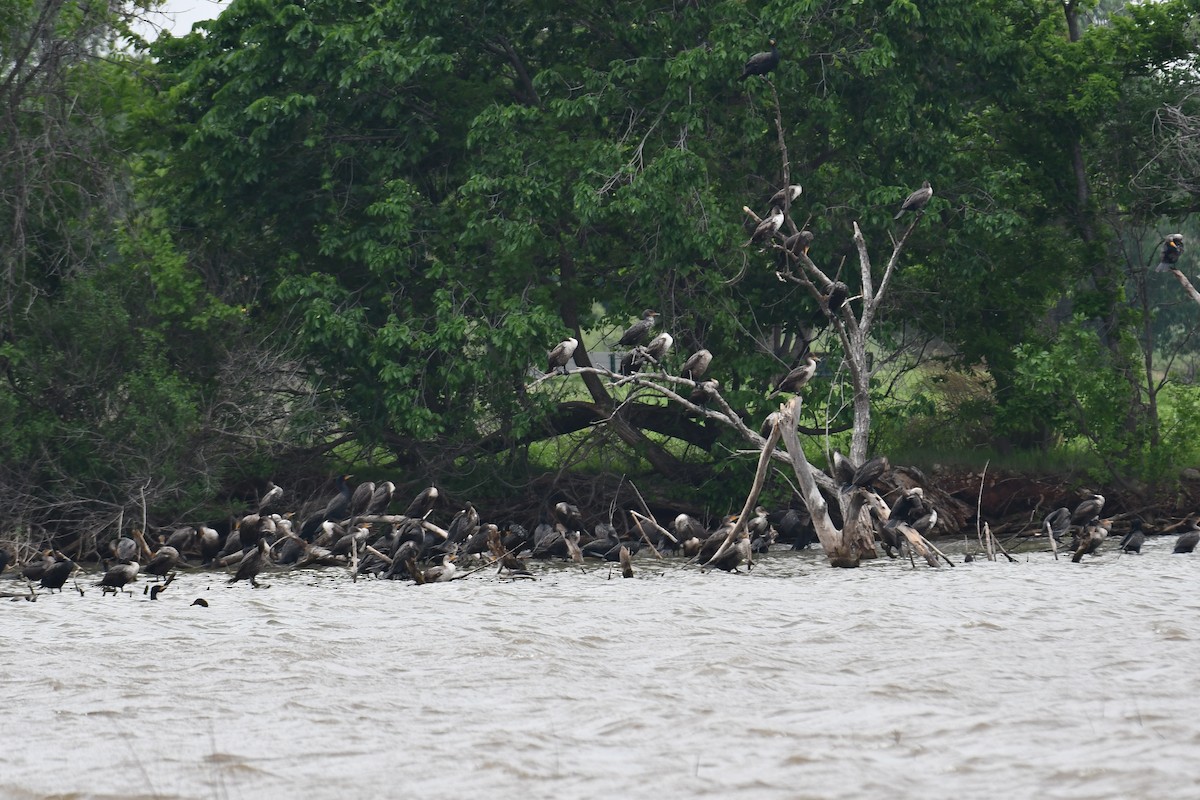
(1041, 679)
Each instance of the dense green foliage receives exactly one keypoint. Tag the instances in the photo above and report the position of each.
(347, 230)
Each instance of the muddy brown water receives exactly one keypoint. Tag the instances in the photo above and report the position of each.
(1037, 679)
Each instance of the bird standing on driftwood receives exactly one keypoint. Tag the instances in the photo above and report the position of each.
(1171, 251)
(761, 63)
(796, 380)
(917, 200)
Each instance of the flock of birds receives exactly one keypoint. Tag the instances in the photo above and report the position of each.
(354, 528)
(1088, 531)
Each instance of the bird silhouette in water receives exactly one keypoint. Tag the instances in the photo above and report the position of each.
(1171, 251)
(761, 63)
(917, 200)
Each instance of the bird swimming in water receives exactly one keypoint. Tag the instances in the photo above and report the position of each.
(767, 228)
(761, 63)
(798, 378)
(917, 200)
(696, 365)
(638, 332)
(561, 354)
(1171, 251)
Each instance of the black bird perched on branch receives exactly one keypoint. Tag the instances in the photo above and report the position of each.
(381, 498)
(704, 392)
(796, 380)
(561, 354)
(632, 361)
(917, 200)
(334, 510)
(843, 469)
(835, 298)
(866, 475)
(270, 497)
(1171, 251)
(797, 244)
(638, 332)
(422, 504)
(696, 365)
(767, 227)
(761, 63)
(786, 196)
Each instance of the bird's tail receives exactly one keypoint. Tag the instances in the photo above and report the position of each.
(1163, 266)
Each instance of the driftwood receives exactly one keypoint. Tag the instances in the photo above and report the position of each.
(760, 477)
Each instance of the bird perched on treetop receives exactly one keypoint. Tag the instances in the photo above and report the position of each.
(1172, 250)
(761, 63)
(639, 331)
(786, 196)
(917, 200)
(561, 354)
(795, 380)
(767, 228)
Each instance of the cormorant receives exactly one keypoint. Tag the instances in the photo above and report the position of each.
(1187, 542)
(5, 557)
(704, 391)
(568, 514)
(1132, 541)
(344, 545)
(696, 365)
(34, 570)
(605, 545)
(462, 527)
(1057, 523)
(56, 574)
(165, 559)
(638, 332)
(251, 564)
(118, 577)
(843, 469)
(273, 495)
(738, 553)
(768, 227)
(361, 498)
(1092, 536)
(797, 244)
(208, 541)
(910, 507)
(786, 196)
(761, 63)
(795, 380)
(443, 572)
(689, 531)
(1171, 251)
(338, 507)
(924, 524)
(561, 354)
(917, 200)
(125, 549)
(182, 538)
(866, 475)
(1088, 510)
(422, 504)
(632, 361)
(381, 499)
(835, 298)
(659, 346)
(796, 527)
